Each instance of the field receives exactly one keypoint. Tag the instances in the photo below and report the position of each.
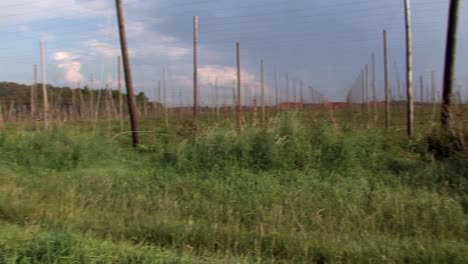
(293, 191)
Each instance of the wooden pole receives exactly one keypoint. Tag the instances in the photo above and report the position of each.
(374, 90)
(166, 113)
(301, 92)
(263, 93)
(90, 111)
(73, 111)
(234, 99)
(119, 85)
(239, 99)
(217, 97)
(295, 94)
(287, 88)
(34, 98)
(409, 71)
(277, 92)
(366, 85)
(195, 69)
(98, 102)
(82, 104)
(107, 105)
(450, 57)
(387, 82)
(421, 87)
(363, 93)
(1, 117)
(145, 105)
(128, 75)
(159, 98)
(45, 100)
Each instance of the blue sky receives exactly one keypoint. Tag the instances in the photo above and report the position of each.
(324, 43)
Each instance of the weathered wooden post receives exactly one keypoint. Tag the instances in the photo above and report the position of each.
(119, 86)
(450, 57)
(374, 91)
(263, 94)
(387, 82)
(45, 100)
(239, 98)
(34, 98)
(195, 69)
(128, 74)
(409, 71)
(166, 113)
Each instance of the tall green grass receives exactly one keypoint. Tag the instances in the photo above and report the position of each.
(294, 192)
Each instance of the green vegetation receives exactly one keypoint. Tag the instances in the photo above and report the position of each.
(294, 192)
(17, 97)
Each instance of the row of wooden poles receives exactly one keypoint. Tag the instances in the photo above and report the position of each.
(359, 93)
(94, 104)
(132, 105)
(90, 108)
(238, 94)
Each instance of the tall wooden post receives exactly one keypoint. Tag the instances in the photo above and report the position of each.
(301, 92)
(45, 100)
(145, 105)
(363, 93)
(195, 68)
(450, 57)
(277, 92)
(295, 93)
(159, 98)
(89, 112)
(263, 93)
(387, 82)
(421, 87)
(166, 113)
(409, 71)
(119, 86)
(366, 85)
(234, 99)
(374, 90)
(34, 98)
(239, 98)
(217, 97)
(128, 74)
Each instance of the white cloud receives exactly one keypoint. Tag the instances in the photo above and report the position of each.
(70, 64)
(97, 48)
(224, 74)
(24, 11)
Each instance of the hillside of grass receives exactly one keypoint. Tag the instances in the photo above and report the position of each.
(294, 192)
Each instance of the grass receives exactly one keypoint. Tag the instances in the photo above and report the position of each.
(295, 192)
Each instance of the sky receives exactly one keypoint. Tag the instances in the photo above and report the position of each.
(322, 43)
